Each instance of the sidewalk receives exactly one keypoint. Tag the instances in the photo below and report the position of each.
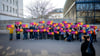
(4, 31)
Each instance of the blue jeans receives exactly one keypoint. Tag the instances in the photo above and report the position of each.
(69, 37)
(25, 36)
(18, 36)
(36, 35)
(91, 38)
(11, 37)
(40, 35)
(80, 36)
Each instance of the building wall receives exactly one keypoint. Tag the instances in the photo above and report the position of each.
(71, 14)
(70, 10)
(56, 16)
(11, 7)
(10, 12)
(20, 8)
(6, 20)
(86, 11)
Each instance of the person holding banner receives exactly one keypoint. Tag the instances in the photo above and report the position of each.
(76, 35)
(31, 32)
(18, 34)
(17, 26)
(44, 32)
(62, 33)
(95, 35)
(52, 30)
(25, 33)
(36, 31)
(56, 33)
(41, 32)
(67, 33)
(86, 29)
(91, 35)
(80, 33)
(11, 30)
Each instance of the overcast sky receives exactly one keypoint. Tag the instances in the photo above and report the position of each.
(57, 3)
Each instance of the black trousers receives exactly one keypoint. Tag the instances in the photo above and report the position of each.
(18, 36)
(31, 35)
(62, 37)
(94, 37)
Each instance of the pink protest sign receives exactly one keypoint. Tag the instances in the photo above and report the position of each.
(68, 30)
(89, 32)
(10, 26)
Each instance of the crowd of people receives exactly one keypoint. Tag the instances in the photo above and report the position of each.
(58, 31)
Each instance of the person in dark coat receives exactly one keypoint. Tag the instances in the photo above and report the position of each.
(36, 33)
(25, 33)
(44, 33)
(57, 35)
(80, 34)
(69, 37)
(18, 34)
(76, 35)
(87, 48)
(67, 33)
(31, 33)
(95, 35)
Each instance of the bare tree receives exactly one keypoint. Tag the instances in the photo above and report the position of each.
(40, 8)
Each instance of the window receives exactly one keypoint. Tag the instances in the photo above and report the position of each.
(3, 7)
(16, 11)
(7, 8)
(13, 10)
(10, 1)
(10, 9)
(97, 20)
(13, 1)
(85, 7)
(16, 2)
(7, 0)
(85, 0)
(97, 6)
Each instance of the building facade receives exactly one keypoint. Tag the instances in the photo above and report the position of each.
(10, 12)
(86, 11)
(12, 8)
(56, 14)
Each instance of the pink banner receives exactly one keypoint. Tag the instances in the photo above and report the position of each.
(10, 26)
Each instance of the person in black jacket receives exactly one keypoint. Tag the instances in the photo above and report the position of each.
(87, 48)
(25, 33)
(17, 26)
(31, 33)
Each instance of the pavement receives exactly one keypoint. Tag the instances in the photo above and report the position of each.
(41, 47)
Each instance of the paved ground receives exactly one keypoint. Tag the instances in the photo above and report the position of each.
(41, 47)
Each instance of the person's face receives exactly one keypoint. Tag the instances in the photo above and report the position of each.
(88, 39)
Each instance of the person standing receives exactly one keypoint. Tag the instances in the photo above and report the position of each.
(87, 48)
(17, 26)
(31, 33)
(11, 30)
(25, 33)
(18, 34)
(36, 33)
(80, 33)
(94, 35)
